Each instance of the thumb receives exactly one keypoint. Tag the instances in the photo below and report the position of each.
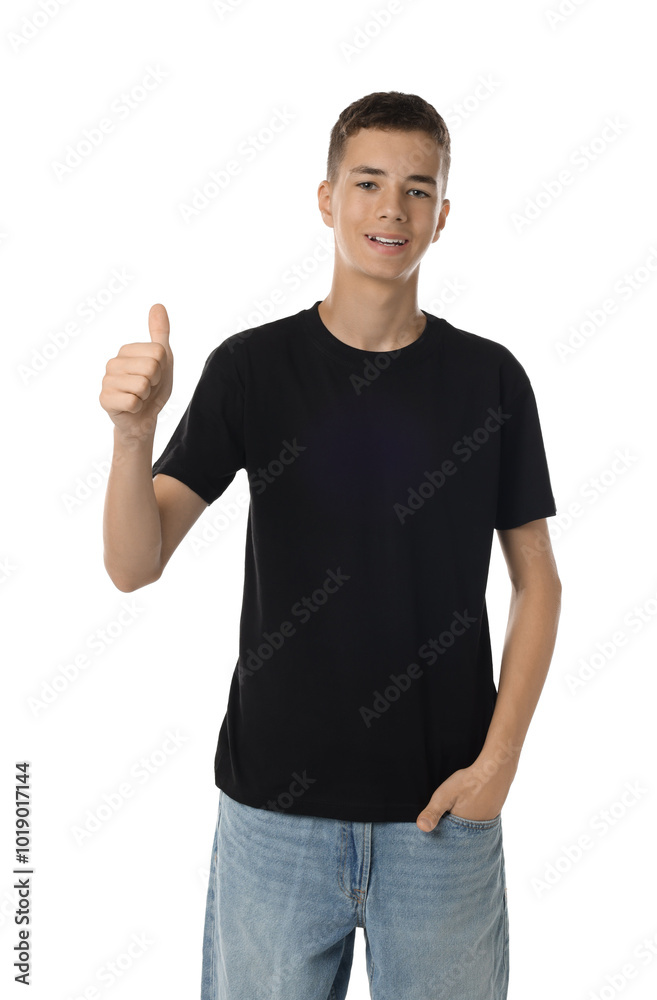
(432, 812)
(158, 325)
(428, 819)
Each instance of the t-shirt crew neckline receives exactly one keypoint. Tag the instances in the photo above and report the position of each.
(424, 345)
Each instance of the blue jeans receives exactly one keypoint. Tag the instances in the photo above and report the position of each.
(287, 892)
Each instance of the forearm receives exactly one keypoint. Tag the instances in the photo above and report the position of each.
(528, 646)
(132, 533)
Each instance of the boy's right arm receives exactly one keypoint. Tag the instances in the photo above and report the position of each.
(145, 518)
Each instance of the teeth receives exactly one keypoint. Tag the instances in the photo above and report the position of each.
(394, 243)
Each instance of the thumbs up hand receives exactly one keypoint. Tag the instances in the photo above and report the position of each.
(138, 381)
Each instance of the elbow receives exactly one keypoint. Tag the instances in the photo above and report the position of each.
(128, 586)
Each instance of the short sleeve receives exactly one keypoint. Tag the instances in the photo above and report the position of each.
(524, 488)
(206, 449)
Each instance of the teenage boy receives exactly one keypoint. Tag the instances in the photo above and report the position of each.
(365, 754)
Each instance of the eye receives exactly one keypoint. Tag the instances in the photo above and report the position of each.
(423, 193)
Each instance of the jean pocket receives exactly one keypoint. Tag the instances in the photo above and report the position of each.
(475, 824)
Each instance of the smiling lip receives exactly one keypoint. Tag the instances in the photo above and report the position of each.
(381, 247)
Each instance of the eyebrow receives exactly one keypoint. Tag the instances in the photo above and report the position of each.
(377, 172)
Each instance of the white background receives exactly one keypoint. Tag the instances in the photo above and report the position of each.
(553, 81)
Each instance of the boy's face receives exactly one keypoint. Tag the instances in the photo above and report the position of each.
(361, 203)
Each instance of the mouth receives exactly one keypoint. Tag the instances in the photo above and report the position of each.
(386, 245)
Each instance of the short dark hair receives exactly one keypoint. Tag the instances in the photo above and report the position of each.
(392, 111)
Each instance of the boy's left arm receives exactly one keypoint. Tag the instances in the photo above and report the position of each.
(478, 792)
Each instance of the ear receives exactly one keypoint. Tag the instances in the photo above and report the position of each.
(442, 218)
(324, 202)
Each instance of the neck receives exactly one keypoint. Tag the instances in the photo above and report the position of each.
(373, 316)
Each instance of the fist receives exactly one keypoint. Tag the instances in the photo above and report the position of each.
(138, 381)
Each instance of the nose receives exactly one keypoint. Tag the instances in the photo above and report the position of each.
(390, 207)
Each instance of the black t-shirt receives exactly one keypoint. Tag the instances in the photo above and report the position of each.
(364, 673)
